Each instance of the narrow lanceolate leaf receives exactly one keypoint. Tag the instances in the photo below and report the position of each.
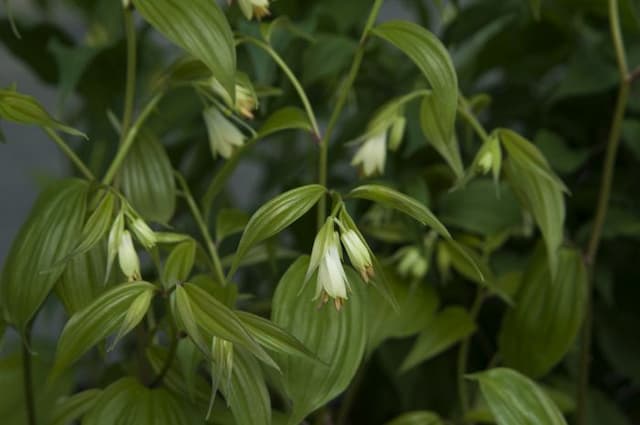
(73, 408)
(273, 337)
(393, 199)
(98, 224)
(23, 109)
(417, 418)
(288, 118)
(200, 28)
(33, 265)
(82, 280)
(215, 319)
(451, 325)
(434, 61)
(104, 316)
(516, 400)
(179, 263)
(249, 397)
(147, 179)
(276, 215)
(433, 131)
(338, 339)
(539, 190)
(547, 313)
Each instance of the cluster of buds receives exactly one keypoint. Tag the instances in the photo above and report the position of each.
(120, 243)
(385, 131)
(326, 257)
(412, 263)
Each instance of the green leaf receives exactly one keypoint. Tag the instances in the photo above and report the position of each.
(562, 158)
(276, 215)
(179, 263)
(98, 223)
(539, 190)
(273, 337)
(82, 280)
(106, 315)
(215, 319)
(449, 326)
(337, 338)
(127, 402)
(468, 262)
(49, 234)
(287, 118)
(327, 57)
(23, 109)
(393, 199)
(267, 29)
(516, 400)
(434, 132)
(230, 221)
(473, 208)
(72, 408)
(548, 313)
(417, 305)
(432, 58)
(147, 179)
(535, 6)
(249, 397)
(200, 28)
(417, 418)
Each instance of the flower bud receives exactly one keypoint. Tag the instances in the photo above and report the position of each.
(113, 243)
(143, 233)
(396, 133)
(224, 137)
(128, 257)
(412, 263)
(254, 8)
(358, 254)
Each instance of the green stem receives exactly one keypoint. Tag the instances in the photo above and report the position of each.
(70, 154)
(337, 110)
(294, 80)
(204, 230)
(173, 346)
(463, 110)
(604, 196)
(27, 374)
(129, 139)
(130, 88)
(463, 354)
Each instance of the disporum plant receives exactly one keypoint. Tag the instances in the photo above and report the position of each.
(300, 212)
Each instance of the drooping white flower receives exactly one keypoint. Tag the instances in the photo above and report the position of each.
(332, 281)
(358, 254)
(128, 257)
(372, 154)
(254, 8)
(224, 137)
(246, 99)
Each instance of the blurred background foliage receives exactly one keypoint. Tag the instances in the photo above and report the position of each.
(552, 77)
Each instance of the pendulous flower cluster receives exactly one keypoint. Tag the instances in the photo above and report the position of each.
(326, 258)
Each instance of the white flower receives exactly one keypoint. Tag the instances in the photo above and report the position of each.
(358, 254)
(246, 101)
(224, 137)
(257, 8)
(325, 256)
(485, 162)
(372, 155)
(128, 257)
(332, 281)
